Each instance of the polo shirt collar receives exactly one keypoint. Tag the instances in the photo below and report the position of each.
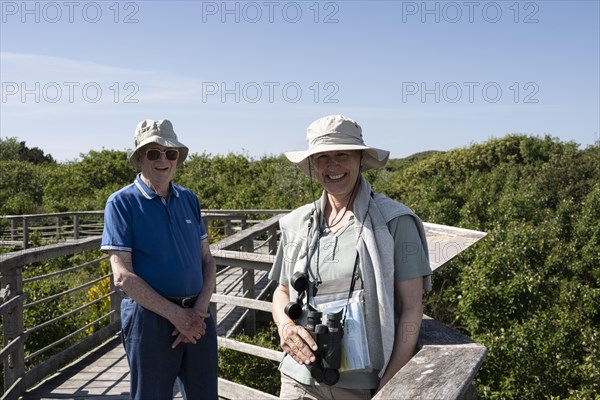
(149, 193)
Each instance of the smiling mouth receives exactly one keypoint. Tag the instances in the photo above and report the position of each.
(336, 177)
(162, 168)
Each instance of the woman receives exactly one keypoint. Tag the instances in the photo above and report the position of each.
(349, 236)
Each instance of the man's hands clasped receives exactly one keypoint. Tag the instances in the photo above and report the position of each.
(189, 327)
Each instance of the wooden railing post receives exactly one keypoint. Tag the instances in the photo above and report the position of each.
(13, 229)
(58, 227)
(115, 301)
(248, 290)
(228, 229)
(25, 233)
(14, 364)
(272, 232)
(76, 226)
(213, 307)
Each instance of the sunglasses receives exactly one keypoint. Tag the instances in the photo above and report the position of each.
(154, 154)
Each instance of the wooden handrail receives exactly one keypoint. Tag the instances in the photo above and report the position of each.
(443, 367)
(18, 259)
(57, 226)
(101, 212)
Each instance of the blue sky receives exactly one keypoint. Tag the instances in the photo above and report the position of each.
(251, 76)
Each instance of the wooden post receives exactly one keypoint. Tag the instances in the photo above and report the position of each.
(115, 301)
(58, 227)
(25, 233)
(13, 229)
(76, 226)
(228, 229)
(213, 307)
(14, 364)
(248, 289)
(272, 240)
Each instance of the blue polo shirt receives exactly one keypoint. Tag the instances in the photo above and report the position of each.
(163, 236)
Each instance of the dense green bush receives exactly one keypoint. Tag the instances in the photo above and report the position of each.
(21, 188)
(529, 291)
(85, 185)
(238, 182)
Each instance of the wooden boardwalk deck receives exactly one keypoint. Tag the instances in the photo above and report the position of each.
(104, 373)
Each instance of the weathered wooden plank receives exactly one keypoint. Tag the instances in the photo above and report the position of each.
(443, 368)
(12, 332)
(13, 392)
(251, 349)
(436, 333)
(436, 372)
(19, 258)
(239, 238)
(11, 304)
(241, 259)
(10, 346)
(231, 390)
(221, 216)
(245, 212)
(63, 358)
(241, 302)
(61, 214)
(110, 379)
(11, 243)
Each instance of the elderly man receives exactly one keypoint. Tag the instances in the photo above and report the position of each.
(161, 260)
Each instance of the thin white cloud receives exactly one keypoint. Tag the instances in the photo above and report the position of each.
(45, 83)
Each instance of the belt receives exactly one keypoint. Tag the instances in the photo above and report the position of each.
(185, 302)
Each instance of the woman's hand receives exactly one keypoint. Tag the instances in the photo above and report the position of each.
(297, 342)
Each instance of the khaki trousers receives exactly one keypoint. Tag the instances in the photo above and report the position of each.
(293, 390)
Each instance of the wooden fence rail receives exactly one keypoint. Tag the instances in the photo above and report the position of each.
(18, 230)
(443, 368)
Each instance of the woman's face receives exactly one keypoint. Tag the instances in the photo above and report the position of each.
(337, 171)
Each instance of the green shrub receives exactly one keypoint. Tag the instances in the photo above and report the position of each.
(248, 370)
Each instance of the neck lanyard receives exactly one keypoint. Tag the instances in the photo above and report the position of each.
(355, 277)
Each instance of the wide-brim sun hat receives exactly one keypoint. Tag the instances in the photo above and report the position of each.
(337, 133)
(157, 131)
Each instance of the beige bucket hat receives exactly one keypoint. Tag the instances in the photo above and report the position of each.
(336, 132)
(161, 132)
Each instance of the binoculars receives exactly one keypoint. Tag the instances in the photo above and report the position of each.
(326, 368)
(328, 336)
(299, 282)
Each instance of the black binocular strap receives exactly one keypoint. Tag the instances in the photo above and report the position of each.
(355, 277)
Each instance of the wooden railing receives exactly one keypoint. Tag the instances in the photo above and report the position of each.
(18, 231)
(443, 368)
(19, 370)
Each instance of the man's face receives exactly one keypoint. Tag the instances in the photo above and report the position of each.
(159, 171)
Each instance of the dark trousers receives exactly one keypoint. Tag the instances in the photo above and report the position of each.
(155, 366)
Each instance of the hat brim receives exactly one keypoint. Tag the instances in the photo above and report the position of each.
(372, 157)
(183, 150)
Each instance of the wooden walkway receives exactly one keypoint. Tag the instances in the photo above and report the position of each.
(104, 373)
